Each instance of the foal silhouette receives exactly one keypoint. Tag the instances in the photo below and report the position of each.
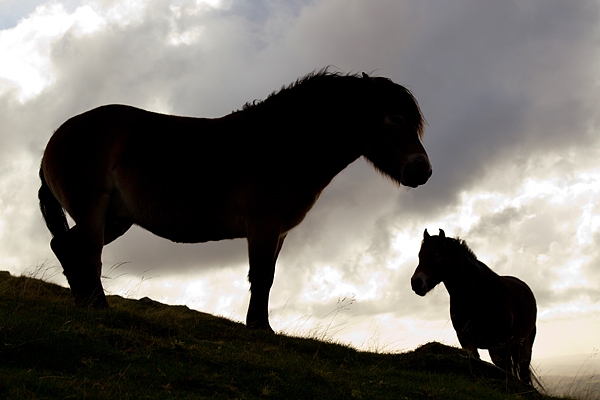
(488, 311)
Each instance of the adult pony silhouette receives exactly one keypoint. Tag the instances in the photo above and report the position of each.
(488, 311)
(253, 174)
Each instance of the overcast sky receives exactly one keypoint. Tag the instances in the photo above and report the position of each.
(509, 90)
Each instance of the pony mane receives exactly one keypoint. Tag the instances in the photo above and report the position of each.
(325, 76)
(316, 75)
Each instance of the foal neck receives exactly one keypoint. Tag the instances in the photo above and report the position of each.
(470, 277)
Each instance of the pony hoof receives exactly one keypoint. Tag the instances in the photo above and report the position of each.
(99, 305)
(96, 303)
(260, 326)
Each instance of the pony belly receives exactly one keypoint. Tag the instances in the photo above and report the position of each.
(192, 230)
(179, 217)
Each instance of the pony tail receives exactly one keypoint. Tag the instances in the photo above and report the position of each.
(51, 209)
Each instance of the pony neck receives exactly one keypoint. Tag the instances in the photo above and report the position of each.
(324, 115)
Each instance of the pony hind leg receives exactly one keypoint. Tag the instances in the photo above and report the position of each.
(79, 251)
(81, 269)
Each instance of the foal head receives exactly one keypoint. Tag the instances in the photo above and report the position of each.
(433, 263)
(442, 259)
(448, 260)
(393, 142)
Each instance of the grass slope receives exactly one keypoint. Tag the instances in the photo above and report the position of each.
(143, 349)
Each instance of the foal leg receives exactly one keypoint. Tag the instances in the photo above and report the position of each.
(500, 357)
(474, 353)
(468, 346)
(523, 359)
(262, 253)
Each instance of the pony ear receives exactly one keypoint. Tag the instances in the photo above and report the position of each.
(365, 75)
(426, 234)
(442, 233)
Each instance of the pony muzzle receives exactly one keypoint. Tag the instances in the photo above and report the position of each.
(416, 171)
(419, 286)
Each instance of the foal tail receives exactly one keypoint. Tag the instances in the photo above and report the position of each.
(537, 382)
(534, 379)
(52, 210)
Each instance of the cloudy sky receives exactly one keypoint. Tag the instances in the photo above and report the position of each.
(509, 90)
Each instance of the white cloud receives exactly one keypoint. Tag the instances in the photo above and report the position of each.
(26, 48)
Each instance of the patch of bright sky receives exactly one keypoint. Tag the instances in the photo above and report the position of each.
(405, 245)
(582, 191)
(388, 333)
(16, 204)
(187, 37)
(328, 284)
(571, 275)
(590, 222)
(580, 307)
(122, 13)
(26, 48)
(26, 64)
(192, 35)
(222, 292)
(212, 3)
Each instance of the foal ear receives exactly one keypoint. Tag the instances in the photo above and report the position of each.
(426, 234)
(365, 75)
(442, 233)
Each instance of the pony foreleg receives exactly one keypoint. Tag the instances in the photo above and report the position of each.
(262, 254)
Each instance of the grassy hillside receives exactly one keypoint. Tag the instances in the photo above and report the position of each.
(143, 349)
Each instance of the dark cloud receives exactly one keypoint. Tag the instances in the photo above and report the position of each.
(509, 82)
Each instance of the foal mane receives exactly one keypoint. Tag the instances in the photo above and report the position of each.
(324, 78)
(458, 246)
